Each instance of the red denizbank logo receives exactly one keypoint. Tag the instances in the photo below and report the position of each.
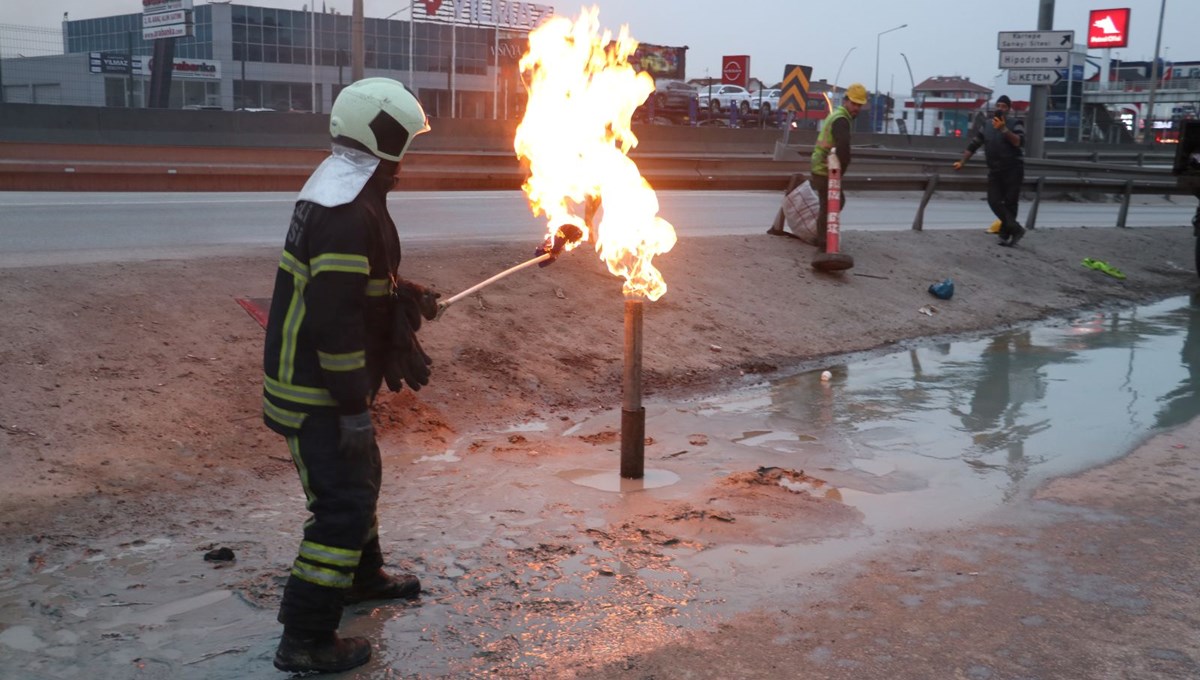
(1108, 28)
(191, 67)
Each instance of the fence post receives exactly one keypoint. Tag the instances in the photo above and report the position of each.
(919, 220)
(1031, 218)
(1125, 203)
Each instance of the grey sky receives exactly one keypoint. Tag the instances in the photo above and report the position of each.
(942, 38)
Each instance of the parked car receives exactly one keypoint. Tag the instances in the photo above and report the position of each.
(673, 94)
(723, 97)
(765, 101)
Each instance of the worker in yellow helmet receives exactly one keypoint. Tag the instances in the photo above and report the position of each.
(835, 134)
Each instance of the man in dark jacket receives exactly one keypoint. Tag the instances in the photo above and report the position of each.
(341, 321)
(1002, 140)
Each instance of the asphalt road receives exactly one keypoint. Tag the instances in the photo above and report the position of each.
(62, 228)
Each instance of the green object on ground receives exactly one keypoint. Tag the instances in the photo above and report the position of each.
(1102, 266)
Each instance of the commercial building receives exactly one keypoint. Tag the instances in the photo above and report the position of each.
(458, 56)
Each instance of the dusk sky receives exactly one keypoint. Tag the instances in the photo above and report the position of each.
(942, 38)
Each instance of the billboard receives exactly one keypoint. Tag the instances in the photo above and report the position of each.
(1108, 28)
(660, 61)
(114, 63)
(735, 69)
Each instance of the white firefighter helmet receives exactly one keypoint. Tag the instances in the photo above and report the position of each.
(380, 114)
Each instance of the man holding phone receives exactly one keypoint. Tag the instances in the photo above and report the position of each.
(1002, 142)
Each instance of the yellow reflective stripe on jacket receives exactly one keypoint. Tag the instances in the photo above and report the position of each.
(340, 262)
(281, 415)
(300, 394)
(379, 287)
(291, 265)
(350, 361)
(291, 332)
(330, 578)
(327, 554)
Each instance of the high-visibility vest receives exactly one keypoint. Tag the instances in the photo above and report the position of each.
(824, 145)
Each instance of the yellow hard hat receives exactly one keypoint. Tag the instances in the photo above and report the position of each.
(857, 93)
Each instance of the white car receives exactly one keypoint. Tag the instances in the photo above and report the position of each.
(767, 100)
(722, 97)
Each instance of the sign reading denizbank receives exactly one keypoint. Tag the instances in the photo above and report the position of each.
(502, 13)
(1108, 28)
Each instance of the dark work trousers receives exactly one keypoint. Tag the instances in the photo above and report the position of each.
(1004, 193)
(341, 539)
(820, 184)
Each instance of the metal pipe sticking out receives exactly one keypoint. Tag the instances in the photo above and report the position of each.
(633, 415)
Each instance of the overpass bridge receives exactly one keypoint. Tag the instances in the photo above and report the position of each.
(1173, 91)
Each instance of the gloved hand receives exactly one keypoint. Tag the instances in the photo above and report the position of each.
(356, 434)
(406, 361)
(958, 165)
(415, 301)
(999, 124)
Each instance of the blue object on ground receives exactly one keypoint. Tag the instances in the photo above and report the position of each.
(943, 290)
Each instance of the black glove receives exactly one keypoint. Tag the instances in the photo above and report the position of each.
(356, 435)
(406, 361)
(416, 301)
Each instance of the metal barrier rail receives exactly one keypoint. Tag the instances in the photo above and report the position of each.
(69, 167)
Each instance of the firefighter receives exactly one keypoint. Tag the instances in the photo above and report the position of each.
(835, 133)
(342, 321)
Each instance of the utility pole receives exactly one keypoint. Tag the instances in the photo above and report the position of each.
(356, 42)
(1035, 128)
(1148, 119)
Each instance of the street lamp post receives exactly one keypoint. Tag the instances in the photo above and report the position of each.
(912, 92)
(1148, 123)
(839, 71)
(874, 107)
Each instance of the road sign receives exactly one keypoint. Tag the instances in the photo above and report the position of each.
(1034, 77)
(1035, 40)
(794, 93)
(735, 69)
(1035, 59)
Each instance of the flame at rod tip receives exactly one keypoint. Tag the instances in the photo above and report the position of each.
(575, 137)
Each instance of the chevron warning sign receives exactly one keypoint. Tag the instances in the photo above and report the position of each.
(795, 88)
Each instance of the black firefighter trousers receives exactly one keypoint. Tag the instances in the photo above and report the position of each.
(341, 539)
(1004, 193)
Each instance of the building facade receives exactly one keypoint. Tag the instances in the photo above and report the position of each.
(460, 59)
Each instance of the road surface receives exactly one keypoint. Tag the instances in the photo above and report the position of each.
(60, 228)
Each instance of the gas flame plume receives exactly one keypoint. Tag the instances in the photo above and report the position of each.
(575, 138)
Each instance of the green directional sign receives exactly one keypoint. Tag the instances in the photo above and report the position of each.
(794, 94)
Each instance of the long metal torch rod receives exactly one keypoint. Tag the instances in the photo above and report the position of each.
(633, 415)
(442, 305)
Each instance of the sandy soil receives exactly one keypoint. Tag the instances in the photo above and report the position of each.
(132, 444)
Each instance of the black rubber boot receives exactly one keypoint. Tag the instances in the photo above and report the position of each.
(1015, 236)
(381, 586)
(307, 651)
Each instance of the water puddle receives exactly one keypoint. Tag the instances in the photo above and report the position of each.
(611, 480)
(941, 433)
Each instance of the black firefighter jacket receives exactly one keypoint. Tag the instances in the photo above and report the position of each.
(328, 326)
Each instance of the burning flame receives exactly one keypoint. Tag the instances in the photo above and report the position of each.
(575, 138)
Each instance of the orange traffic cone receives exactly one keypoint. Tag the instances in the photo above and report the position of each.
(831, 260)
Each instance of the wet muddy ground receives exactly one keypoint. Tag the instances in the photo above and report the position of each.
(133, 448)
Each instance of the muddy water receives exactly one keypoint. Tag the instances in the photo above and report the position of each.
(947, 430)
(533, 562)
(938, 435)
